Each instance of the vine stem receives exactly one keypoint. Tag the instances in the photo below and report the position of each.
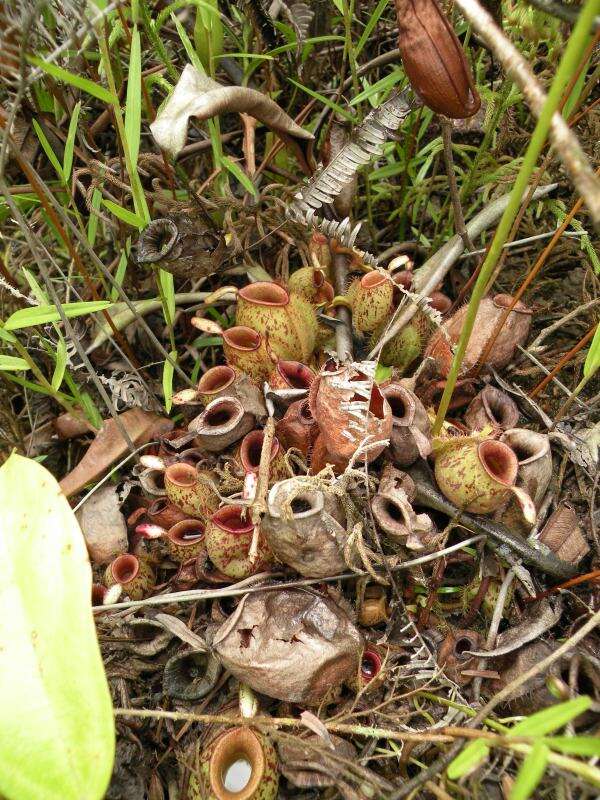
(569, 61)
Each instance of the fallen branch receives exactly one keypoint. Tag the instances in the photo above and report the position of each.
(498, 535)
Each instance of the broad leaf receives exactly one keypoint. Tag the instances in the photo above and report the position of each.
(40, 315)
(58, 735)
(467, 761)
(531, 772)
(551, 719)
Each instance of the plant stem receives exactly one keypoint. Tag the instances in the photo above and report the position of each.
(568, 63)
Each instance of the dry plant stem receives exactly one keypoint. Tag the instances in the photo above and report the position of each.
(561, 363)
(494, 626)
(259, 504)
(236, 590)
(568, 63)
(459, 217)
(435, 269)
(566, 143)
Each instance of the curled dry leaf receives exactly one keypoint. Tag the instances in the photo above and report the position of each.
(541, 616)
(291, 645)
(109, 445)
(198, 96)
(103, 525)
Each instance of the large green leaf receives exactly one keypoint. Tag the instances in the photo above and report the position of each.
(58, 738)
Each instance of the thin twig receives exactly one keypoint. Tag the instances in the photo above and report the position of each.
(233, 591)
(459, 217)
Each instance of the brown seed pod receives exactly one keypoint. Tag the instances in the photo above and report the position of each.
(434, 60)
(291, 645)
(492, 407)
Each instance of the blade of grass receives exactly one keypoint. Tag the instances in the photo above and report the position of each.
(52, 157)
(373, 20)
(126, 216)
(70, 143)
(133, 105)
(325, 100)
(74, 80)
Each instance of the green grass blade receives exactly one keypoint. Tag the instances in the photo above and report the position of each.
(70, 143)
(74, 80)
(167, 381)
(592, 360)
(12, 363)
(52, 157)
(469, 758)
(133, 106)
(60, 366)
(129, 217)
(373, 20)
(40, 315)
(325, 100)
(551, 719)
(586, 746)
(239, 174)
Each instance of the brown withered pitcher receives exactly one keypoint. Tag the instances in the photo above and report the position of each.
(434, 60)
